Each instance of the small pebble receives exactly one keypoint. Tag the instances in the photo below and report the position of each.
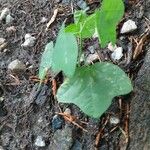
(128, 26)
(11, 29)
(16, 66)
(9, 19)
(91, 49)
(57, 122)
(114, 120)
(29, 40)
(62, 139)
(117, 54)
(82, 4)
(39, 141)
(42, 94)
(43, 20)
(4, 13)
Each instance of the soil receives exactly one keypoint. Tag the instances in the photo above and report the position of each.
(27, 112)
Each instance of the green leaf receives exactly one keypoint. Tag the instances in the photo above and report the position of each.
(46, 60)
(65, 53)
(88, 26)
(92, 88)
(107, 19)
(73, 28)
(79, 16)
(85, 27)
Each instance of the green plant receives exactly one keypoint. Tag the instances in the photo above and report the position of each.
(90, 87)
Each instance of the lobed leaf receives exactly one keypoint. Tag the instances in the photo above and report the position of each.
(84, 28)
(107, 19)
(46, 60)
(92, 88)
(65, 53)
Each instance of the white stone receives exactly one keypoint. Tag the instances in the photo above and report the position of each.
(27, 36)
(29, 40)
(114, 120)
(4, 13)
(117, 54)
(16, 65)
(128, 26)
(39, 141)
(9, 19)
(43, 20)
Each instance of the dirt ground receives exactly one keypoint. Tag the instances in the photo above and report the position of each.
(28, 115)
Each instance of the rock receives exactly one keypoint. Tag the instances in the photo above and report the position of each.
(41, 94)
(62, 139)
(17, 66)
(114, 120)
(77, 146)
(57, 122)
(139, 122)
(128, 26)
(91, 49)
(117, 54)
(9, 19)
(4, 13)
(29, 40)
(11, 29)
(82, 4)
(40, 142)
(43, 20)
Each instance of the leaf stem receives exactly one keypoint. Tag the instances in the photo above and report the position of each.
(80, 49)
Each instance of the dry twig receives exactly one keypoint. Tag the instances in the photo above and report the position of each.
(72, 119)
(52, 19)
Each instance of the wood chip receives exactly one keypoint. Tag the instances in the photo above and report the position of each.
(52, 19)
(140, 44)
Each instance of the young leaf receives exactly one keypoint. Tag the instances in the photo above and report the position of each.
(46, 60)
(107, 19)
(93, 87)
(79, 16)
(65, 53)
(73, 28)
(85, 27)
(88, 26)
